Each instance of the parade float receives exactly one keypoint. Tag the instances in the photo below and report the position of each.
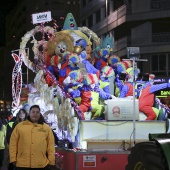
(85, 142)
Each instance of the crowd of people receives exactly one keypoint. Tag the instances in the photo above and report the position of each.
(29, 141)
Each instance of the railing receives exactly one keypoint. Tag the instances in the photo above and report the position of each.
(111, 18)
(160, 4)
(121, 11)
(154, 39)
(121, 43)
(161, 38)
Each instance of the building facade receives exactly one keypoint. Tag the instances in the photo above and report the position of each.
(133, 23)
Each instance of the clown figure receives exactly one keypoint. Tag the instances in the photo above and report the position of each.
(72, 84)
(58, 45)
(106, 73)
(127, 88)
(90, 94)
(104, 51)
(69, 65)
(146, 99)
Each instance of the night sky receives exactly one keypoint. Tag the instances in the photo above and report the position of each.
(5, 7)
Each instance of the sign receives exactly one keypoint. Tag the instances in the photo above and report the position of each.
(41, 17)
(161, 80)
(89, 161)
(162, 93)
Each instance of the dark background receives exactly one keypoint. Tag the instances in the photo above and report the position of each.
(5, 7)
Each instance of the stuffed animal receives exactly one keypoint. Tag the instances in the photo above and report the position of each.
(104, 51)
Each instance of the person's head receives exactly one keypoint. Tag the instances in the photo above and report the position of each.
(75, 76)
(35, 115)
(90, 80)
(107, 72)
(21, 115)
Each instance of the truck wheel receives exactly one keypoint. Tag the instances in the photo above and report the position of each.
(146, 156)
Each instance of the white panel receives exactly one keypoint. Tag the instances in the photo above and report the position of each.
(118, 130)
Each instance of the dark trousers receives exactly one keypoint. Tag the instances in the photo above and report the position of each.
(1, 156)
(11, 167)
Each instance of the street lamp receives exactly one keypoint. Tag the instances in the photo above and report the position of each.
(106, 14)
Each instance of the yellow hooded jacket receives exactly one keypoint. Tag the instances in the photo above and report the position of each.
(32, 145)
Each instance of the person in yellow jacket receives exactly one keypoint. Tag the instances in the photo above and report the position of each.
(32, 143)
(2, 140)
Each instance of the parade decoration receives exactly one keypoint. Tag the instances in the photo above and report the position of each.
(68, 49)
(16, 80)
(92, 35)
(36, 45)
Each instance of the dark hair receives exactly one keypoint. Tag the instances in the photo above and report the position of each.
(145, 77)
(122, 76)
(17, 116)
(34, 106)
(41, 119)
(1, 125)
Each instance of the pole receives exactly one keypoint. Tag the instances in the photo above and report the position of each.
(27, 67)
(133, 59)
(134, 104)
(107, 14)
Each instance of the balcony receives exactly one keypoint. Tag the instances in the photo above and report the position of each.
(116, 18)
(92, 6)
(159, 4)
(156, 40)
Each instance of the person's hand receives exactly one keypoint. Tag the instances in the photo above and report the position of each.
(70, 90)
(80, 85)
(59, 65)
(49, 167)
(113, 97)
(14, 163)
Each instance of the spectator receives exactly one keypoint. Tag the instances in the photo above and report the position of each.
(21, 116)
(32, 143)
(2, 141)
